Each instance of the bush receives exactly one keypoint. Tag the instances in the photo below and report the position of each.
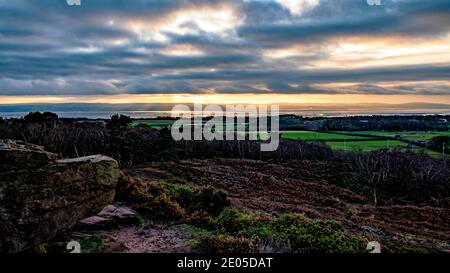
(396, 247)
(231, 220)
(91, 244)
(149, 198)
(179, 189)
(120, 120)
(165, 200)
(226, 244)
(294, 232)
(437, 142)
(308, 236)
(38, 117)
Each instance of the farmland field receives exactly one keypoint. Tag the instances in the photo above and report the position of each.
(316, 136)
(226, 127)
(367, 145)
(409, 135)
(348, 143)
(167, 123)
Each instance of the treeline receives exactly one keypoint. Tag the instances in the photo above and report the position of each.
(378, 123)
(69, 138)
(248, 149)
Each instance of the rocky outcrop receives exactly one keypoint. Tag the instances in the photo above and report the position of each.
(41, 196)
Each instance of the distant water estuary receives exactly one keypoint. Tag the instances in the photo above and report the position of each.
(154, 114)
(142, 110)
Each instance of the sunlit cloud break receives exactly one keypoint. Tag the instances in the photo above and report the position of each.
(156, 48)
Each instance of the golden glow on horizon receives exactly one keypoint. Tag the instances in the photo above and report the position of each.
(231, 99)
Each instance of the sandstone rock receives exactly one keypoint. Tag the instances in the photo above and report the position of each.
(95, 223)
(121, 214)
(18, 154)
(41, 196)
(111, 216)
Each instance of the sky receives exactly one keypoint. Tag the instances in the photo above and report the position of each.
(225, 51)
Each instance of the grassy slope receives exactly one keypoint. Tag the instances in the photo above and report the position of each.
(307, 135)
(367, 145)
(410, 135)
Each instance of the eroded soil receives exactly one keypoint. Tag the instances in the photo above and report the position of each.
(160, 239)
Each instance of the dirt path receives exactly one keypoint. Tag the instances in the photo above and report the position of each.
(163, 239)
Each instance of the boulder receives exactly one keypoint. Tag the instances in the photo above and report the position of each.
(122, 215)
(17, 154)
(41, 196)
(95, 223)
(111, 216)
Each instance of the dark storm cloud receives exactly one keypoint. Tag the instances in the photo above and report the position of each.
(354, 17)
(403, 73)
(49, 48)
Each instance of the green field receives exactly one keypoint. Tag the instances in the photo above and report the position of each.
(158, 124)
(316, 136)
(366, 146)
(346, 144)
(409, 135)
(370, 145)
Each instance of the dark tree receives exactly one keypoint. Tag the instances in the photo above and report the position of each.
(120, 120)
(38, 117)
(440, 142)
